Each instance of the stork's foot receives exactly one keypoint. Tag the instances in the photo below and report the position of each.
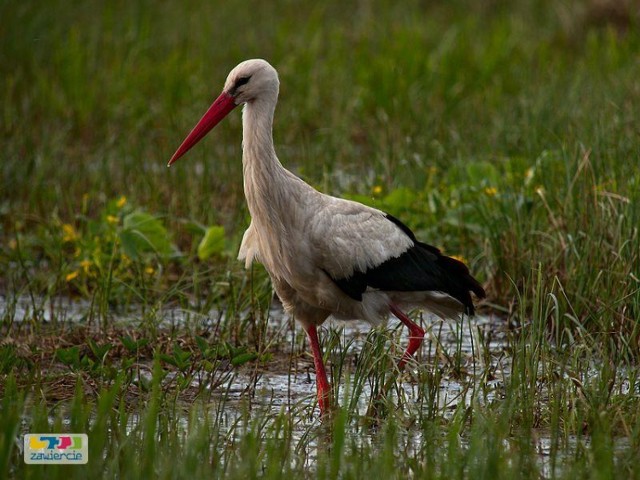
(416, 336)
(322, 383)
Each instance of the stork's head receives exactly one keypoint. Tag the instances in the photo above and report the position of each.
(250, 81)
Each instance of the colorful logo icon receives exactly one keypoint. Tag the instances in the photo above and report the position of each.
(56, 448)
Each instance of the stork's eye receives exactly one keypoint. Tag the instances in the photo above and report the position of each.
(242, 81)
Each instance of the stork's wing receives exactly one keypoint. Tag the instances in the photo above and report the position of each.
(362, 247)
(348, 237)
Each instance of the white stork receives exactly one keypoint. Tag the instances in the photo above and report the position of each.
(326, 255)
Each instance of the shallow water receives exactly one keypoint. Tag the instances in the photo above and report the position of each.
(284, 384)
(478, 347)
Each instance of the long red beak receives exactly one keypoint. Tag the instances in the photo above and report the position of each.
(219, 109)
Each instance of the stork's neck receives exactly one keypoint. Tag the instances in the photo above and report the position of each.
(263, 172)
(257, 136)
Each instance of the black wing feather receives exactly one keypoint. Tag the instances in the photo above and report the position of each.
(420, 268)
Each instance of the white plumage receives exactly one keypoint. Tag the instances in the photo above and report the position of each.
(325, 255)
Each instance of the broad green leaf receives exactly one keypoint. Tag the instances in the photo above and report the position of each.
(129, 244)
(208, 351)
(243, 358)
(69, 356)
(202, 343)
(168, 359)
(133, 345)
(195, 228)
(212, 243)
(100, 351)
(482, 174)
(400, 199)
(142, 233)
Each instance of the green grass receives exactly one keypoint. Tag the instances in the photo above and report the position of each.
(504, 132)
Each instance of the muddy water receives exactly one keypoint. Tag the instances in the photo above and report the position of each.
(454, 341)
(477, 347)
(470, 342)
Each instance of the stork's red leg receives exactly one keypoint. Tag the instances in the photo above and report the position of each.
(322, 383)
(416, 335)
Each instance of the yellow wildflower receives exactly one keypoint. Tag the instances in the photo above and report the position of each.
(149, 270)
(121, 201)
(69, 233)
(377, 189)
(86, 265)
(460, 258)
(528, 175)
(491, 191)
(112, 219)
(71, 276)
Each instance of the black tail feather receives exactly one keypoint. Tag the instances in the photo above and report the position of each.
(420, 268)
(460, 282)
